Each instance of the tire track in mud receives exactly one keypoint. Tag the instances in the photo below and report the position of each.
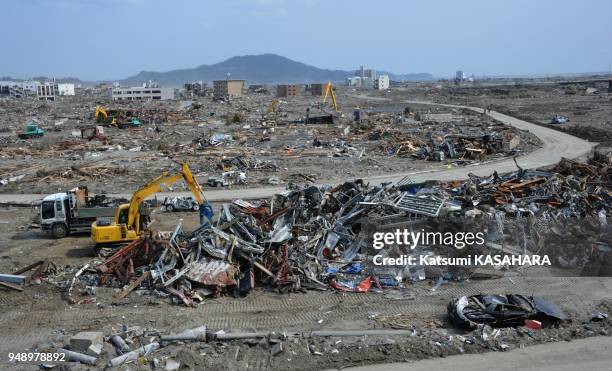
(265, 311)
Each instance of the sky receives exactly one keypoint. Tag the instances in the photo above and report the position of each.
(115, 39)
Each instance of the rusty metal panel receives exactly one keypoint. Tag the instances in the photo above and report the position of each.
(213, 273)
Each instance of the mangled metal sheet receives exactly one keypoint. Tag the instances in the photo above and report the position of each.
(405, 180)
(213, 273)
(419, 205)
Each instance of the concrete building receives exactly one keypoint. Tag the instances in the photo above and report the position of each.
(18, 89)
(354, 81)
(224, 89)
(51, 90)
(382, 82)
(65, 89)
(11, 88)
(197, 88)
(47, 91)
(287, 90)
(366, 73)
(317, 89)
(363, 78)
(30, 86)
(142, 93)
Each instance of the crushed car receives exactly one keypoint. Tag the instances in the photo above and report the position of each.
(502, 310)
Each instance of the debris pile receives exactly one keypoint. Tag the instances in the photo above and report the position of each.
(82, 173)
(571, 189)
(318, 236)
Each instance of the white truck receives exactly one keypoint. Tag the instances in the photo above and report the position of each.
(72, 212)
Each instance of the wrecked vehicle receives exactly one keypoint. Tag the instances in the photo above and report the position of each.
(227, 178)
(172, 204)
(501, 310)
(558, 119)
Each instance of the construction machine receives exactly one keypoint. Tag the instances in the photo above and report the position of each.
(329, 91)
(127, 225)
(117, 117)
(75, 210)
(31, 131)
(274, 105)
(103, 117)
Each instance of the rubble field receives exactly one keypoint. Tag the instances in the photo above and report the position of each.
(582, 109)
(241, 144)
(289, 281)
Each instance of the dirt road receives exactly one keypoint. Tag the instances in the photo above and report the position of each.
(585, 354)
(555, 146)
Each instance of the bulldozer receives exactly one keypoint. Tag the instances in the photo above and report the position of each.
(31, 131)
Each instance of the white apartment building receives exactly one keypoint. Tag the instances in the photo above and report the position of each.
(142, 93)
(382, 82)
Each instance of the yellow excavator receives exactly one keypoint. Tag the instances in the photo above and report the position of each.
(102, 117)
(329, 90)
(127, 225)
(274, 105)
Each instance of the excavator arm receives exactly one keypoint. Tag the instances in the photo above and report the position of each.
(192, 183)
(329, 90)
(157, 185)
(154, 186)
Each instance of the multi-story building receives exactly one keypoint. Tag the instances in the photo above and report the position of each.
(11, 88)
(47, 91)
(382, 82)
(287, 90)
(366, 73)
(51, 90)
(142, 93)
(225, 89)
(363, 78)
(29, 86)
(353, 81)
(65, 89)
(196, 88)
(317, 89)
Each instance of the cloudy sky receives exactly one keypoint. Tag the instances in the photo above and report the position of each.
(114, 39)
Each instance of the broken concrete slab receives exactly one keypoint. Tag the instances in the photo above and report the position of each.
(83, 340)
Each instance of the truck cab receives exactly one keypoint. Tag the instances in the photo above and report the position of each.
(53, 214)
(71, 212)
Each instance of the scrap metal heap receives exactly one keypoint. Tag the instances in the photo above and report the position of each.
(314, 237)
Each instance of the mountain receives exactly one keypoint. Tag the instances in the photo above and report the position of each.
(256, 69)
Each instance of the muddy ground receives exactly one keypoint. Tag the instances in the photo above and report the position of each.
(42, 317)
